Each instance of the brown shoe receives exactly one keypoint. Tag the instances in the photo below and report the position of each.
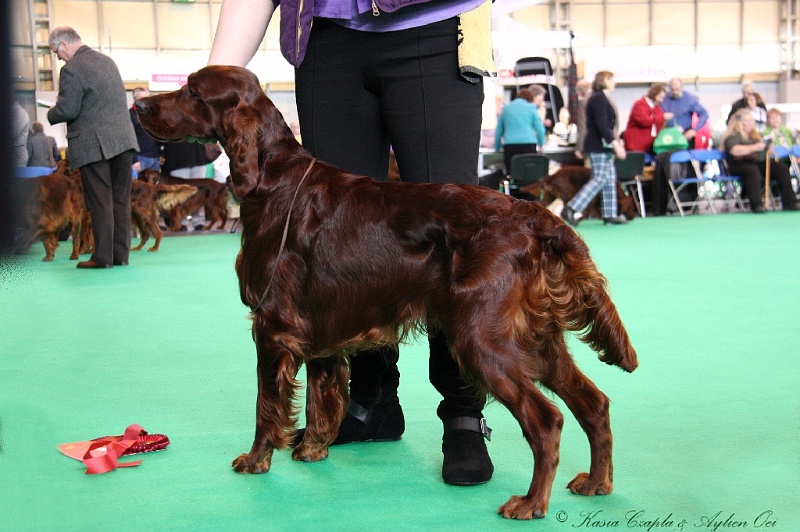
(90, 264)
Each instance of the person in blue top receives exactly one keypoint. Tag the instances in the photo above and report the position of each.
(519, 127)
(680, 108)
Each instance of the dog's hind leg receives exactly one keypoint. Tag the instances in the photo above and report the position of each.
(511, 382)
(275, 412)
(141, 225)
(153, 228)
(590, 407)
(326, 403)
(50, 241)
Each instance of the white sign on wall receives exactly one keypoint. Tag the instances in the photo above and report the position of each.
(167, 82)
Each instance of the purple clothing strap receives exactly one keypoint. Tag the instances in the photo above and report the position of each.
(393, 15)
(297, 17)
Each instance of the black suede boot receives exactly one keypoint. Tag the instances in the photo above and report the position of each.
(466, 459)
(374, 414)
(382, 422)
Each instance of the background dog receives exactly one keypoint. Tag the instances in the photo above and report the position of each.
(51, 203)
(146, 200)
(567, 181)
(333, 262)
(211, 196)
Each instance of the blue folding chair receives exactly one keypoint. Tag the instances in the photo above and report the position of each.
(728, 185)
(677, 184)
(791, 155)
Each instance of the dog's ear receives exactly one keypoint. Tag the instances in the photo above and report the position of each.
(242, 127)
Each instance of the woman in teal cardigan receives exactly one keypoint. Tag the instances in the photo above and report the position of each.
(519, 127)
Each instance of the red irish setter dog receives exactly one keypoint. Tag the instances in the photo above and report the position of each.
(333, 262)
(146, 200)
(49, 204)
(211, 195)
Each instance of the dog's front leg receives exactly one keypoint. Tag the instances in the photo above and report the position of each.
(275, 412)
(326, 402)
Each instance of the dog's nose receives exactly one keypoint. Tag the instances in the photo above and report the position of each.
(141, 106)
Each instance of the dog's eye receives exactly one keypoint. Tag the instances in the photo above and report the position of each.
(192, 93)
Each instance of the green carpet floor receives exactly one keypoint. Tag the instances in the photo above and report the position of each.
(706, 430)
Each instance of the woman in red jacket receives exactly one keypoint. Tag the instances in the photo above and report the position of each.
(645, 120)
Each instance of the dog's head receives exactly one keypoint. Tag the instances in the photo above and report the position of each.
(225, 104)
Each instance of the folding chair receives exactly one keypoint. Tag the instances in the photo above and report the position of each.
(528, 168)
(676, 185)
(774, 153)
(728, 184)
(794, 154)
(630, 172)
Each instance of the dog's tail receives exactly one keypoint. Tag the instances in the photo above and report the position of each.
(169, 196)
(534, 189)
(579, 297)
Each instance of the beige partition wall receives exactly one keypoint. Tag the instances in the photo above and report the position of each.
(709, 43)
(703, 38)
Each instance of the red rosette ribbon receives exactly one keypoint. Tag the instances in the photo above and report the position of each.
(101, 455)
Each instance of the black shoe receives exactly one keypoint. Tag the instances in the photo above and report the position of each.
(120, 263)
(466, 460)
(616, 220)
(92, 265)
(568, 214)
(759, 209)
(794, 207)
(382, 422)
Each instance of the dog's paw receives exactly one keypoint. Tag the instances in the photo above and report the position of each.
(309, 453)
(583, 484)
(245, 464)
(519, 507)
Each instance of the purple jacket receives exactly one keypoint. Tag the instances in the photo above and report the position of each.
(296, 18)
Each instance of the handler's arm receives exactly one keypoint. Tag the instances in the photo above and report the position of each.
(240, 30)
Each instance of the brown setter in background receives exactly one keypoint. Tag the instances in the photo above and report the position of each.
(50, 203)
(333, 262)
(211, 195)
(567, 181)
(54, 202)
(146, 200)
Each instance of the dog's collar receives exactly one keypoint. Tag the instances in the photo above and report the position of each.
(283, 238)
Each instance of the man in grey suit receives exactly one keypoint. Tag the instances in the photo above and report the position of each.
(100, 141)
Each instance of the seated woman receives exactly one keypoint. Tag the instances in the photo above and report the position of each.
(645, 120)
(743, 147)
(519, 127)
(775, 130)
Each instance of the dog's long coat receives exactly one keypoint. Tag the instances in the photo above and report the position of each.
(366, 262)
